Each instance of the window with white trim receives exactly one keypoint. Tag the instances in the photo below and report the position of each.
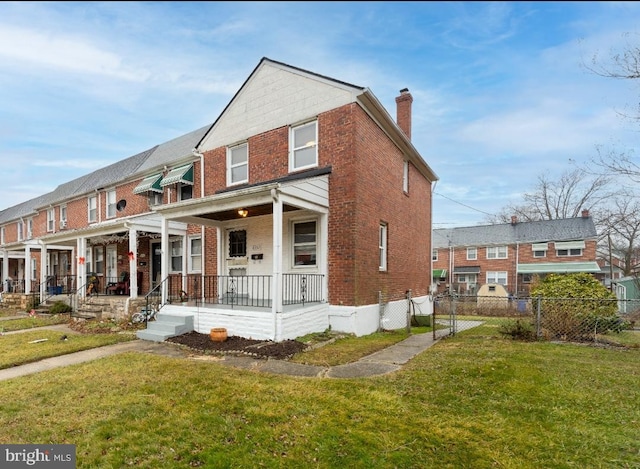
(111, 204)
(497, 277)
(195, 254)
(20, 230)
(238, 243)
(568, 252)
(2, 235)
(405, 177)
(175, 248)
(155, 198)
(30, 228)
(304, 243)
(569, 248)
(185, 191)
(383, 246)
(92, 209)
(238, 164)
(434, 254)
(497, 252)
(88, 259)
(51, 220)
(98, 260)
(63, 214)
(472, 254)
(303, 146)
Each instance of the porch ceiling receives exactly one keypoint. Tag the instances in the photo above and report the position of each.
(253, 211)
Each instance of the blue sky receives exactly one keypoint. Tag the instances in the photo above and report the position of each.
(500, 93)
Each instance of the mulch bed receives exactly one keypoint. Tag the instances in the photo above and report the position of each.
(239, 345)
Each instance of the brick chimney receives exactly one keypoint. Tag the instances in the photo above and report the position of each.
(514, 219)
(585, 213)
(403, 104)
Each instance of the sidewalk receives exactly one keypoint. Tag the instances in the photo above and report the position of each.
(382, 362)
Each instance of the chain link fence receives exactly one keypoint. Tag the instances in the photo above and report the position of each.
(403, 312)
(552, 319)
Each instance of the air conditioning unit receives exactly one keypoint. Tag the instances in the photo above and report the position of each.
(63, 224)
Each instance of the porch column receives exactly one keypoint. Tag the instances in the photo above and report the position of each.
(81, 272)
(164, 248)
(185, 254)
(133, 263)
(5, 268)
(27, 269)
(323, 258)
(44, 263)
(276, 307)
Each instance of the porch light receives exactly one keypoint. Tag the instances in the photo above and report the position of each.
(243, 213)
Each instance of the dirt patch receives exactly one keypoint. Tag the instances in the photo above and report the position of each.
(238, 345)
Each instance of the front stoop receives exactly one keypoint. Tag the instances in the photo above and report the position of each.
(165, 326)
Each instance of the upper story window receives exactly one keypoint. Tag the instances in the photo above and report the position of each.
(2, 235)
(304, 243)
(111, 204)
(92, 209)
(155, 198)
(185, 191)
(20, 229)
(497, 252)
(238, 164)
(539, 249)
(63, 216)
(472, 254)
(383, 246)
(569, 248)
(434, 254)
(51, 220)
(304, 146)
(30, 228)
(405, 177)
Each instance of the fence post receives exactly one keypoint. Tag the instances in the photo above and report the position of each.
(380, 310)
(453, 315)
(538, 316)
(409, 312)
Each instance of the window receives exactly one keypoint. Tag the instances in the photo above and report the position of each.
(568, 252)
(92, 204)
(497, 277)
(472, 254)
(539, 249)
(175, 248)
(63, 214)
(88, 260)
(304, 243)
(2, 235)
(185, 191)
(497, 252)
(304, 146)
(237, 243)
(539, 253)
(34, 269)
(51, 220)
(526, 278)
(20, 229)
(383, 246)
(98, 259)
(238, 164)
(111, 204)
(30, 228)
(434, 255)
(462, 279)
(195, 255)
(155, 198)
(405, 177)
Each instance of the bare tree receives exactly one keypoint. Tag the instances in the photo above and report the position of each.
(621, 224)
(565, 197)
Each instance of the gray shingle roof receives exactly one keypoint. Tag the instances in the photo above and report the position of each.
(567, 229)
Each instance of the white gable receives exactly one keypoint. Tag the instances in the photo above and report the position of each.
(273, 97)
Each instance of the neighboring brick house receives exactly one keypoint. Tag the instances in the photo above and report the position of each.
(291, 213)
(511, 254)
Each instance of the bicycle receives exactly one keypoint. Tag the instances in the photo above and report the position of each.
(144, 315)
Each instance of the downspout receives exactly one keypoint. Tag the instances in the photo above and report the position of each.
(432, 286)
(203, 265)
(516, 269)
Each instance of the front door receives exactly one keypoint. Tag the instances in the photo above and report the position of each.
(156, 264)
(112, 263)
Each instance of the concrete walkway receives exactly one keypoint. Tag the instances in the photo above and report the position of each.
(382, 362)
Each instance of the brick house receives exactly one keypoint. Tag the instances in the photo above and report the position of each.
(511, 254)
(290, 214)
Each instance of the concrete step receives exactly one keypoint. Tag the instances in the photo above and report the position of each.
(165, 326)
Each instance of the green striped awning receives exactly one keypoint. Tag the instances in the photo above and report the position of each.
(558, 267)
(150, 183)
(183, 174)
(439, 273)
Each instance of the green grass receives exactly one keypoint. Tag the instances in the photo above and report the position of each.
(34, 345)
(28, 322)
(467, 402)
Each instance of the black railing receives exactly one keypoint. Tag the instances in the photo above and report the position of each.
(244, 290)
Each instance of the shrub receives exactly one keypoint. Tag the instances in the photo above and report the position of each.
(59, 307)
(517, 330)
